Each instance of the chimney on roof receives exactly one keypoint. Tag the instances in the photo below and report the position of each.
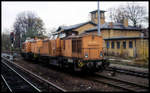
(125, 22)
(111, 24)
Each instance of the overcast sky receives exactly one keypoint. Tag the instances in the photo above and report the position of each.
(57, 13)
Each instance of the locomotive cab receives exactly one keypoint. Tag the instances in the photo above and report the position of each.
(86, 52)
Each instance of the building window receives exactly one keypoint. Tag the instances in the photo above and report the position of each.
(130, 44)
(118, 45)
(112, 44)
(94, 15)
(107, 44)
(124, 45)
(102, 15)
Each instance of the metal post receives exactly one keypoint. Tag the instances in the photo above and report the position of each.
(98, 20)
(20, 39)
(12, 52)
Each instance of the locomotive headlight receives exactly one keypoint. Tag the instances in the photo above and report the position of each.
(101, 54)
(86, 55)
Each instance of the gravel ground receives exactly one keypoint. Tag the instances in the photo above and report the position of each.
(67, 80)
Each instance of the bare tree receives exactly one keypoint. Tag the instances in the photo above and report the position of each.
(146, 21)
(5, 40)
(117, 14)
(27, 24)
(135, 13)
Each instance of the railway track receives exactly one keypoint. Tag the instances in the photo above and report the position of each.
(14, 81)
(125, 85)
(39, 83)
(129, 72)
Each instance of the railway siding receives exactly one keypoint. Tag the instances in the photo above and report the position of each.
(130, 68)
(16, 82)
(123, 84)
(140, 72)
(48, 85)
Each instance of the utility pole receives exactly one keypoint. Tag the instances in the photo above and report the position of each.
(98, 25)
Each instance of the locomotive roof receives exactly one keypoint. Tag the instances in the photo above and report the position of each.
(45, 40)
(30, 40)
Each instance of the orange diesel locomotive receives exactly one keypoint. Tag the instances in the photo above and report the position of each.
(82, 52)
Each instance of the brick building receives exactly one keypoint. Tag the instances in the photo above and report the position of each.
(120, 39)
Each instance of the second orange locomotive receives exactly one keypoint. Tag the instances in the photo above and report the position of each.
(82, 52)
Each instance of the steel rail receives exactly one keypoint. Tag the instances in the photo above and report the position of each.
(6, 83)
(116, 83)
(23, 78)
(39, 77)
(127, 82)
(110, 84)
(129, 72)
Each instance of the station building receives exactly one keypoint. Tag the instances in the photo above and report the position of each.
(120, 39)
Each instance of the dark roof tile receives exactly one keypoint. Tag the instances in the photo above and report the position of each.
(116, 26)
(96, 11)
(122, 37)
(65, 28)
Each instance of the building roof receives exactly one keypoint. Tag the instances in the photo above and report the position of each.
(96, 11)
(66, 28)
(115, 26)
(125, 37)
